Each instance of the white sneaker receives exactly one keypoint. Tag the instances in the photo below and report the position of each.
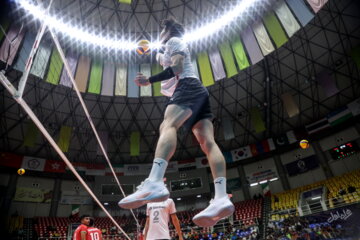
(218, 209)
(147, 191)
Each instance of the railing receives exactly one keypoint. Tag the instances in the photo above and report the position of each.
(314, 210)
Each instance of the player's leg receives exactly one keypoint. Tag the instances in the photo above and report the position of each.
(221, 205)
(153, 188)
(174, 118)
(204, 133)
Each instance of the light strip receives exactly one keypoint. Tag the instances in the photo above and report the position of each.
(254, 184)
(121, 44)
(314, 198)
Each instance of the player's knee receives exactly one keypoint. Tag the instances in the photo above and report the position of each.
(207, 144)
(167, 124)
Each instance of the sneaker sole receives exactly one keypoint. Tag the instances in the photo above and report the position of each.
(141, 202)
(207, 221)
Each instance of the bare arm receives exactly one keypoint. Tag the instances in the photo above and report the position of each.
(83, 235)
(146, 229)
(177, 63)
(176, 224)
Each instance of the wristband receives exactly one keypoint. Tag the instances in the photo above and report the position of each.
(164, 75)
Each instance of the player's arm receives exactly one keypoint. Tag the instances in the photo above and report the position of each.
(146, 229)
(176, 224)
(177, 65)
(83, 235)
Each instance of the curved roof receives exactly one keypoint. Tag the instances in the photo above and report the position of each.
(296, 68)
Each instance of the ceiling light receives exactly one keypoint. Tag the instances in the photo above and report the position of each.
(262, 182)
(253, 184)
(314, 198)
(105, 203)
(85, 36)
(178, 199)
(198, 196)
(273, 179)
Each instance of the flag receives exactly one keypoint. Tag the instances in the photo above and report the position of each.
(135, 144)
(266, 189)
(318, 126)
(31, 135)
(281, 140)
(75, 210)
(354, 107)
(253, 149)
(95, 170)
(241, 153)
(228, 129)
(33, 163)
(125, 1)
(64, 138)
(256, 120)
(118, 168)
(54, 166)
(339, 116)
(202, 162)
(268, 145)
(10, 160)
(79, 167)
(187, 164)
(302, 165)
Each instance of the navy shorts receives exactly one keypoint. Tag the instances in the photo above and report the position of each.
(190, 93)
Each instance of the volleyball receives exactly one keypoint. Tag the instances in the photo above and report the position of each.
(304, 144)
(21, 171)
(143, 47)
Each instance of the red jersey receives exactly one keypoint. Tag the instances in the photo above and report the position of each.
(93, 234)
(79, 229)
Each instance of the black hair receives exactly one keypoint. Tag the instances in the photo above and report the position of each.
(84, 216)
(176, 29)
(91, 223)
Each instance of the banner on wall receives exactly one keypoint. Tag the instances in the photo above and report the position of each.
(137, 169)
(302, 165)
(75, 199)
(33, 195)
(262, 175)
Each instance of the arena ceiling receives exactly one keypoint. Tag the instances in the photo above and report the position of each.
(323, 45)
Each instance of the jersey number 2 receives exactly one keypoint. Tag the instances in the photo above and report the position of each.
(156, 216)
(95, 236)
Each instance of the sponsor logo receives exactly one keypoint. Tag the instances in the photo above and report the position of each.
(343, 215)
(219, 182)
(159, 163)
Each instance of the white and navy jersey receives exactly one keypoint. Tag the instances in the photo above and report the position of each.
(159, 214)
(173, 47)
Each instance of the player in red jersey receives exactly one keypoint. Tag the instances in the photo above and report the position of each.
(81, 231)
(93, 233)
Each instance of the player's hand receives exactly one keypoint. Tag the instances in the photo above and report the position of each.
(141, 80)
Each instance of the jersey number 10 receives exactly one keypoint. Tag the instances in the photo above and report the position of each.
(95, 236)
